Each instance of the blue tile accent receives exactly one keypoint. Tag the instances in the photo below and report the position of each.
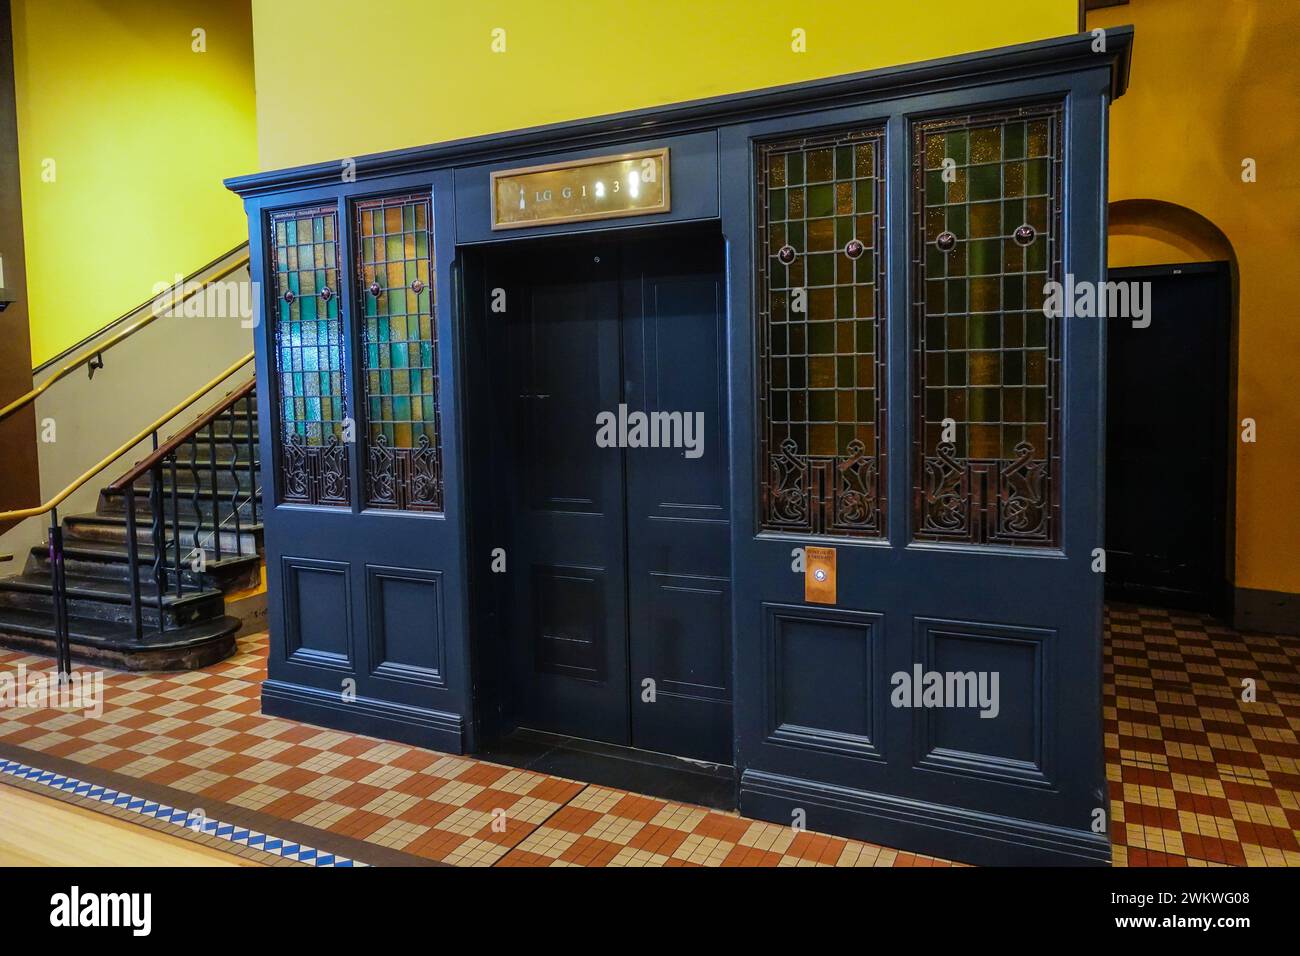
(173, 815)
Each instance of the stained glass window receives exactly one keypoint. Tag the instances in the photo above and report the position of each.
(309, 353)
(821, 326)
(986, 214)
(400, 353)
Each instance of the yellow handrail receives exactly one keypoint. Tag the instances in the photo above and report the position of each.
(123, 449)
(126, 333)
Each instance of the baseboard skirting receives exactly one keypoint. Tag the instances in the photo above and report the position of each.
(418, 726)
(1273, 612)
(943, 831)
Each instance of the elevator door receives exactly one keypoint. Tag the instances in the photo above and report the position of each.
(620, 592)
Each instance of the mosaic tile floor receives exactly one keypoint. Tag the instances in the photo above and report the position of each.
(202, 734)
(1197, 776)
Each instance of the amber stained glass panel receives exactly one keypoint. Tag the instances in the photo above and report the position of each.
(821, 322)
(986, 214)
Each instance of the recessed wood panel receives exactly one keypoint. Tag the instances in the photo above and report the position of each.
(569, 612)
(824, 683)
(405, 624)
(1012, 742)
(554, 388)
(682, 347)
(318, 612)
(690, 635)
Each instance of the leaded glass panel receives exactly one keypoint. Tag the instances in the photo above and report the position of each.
(400, 352)
(986, 223)
(821, 330)
(309, 355)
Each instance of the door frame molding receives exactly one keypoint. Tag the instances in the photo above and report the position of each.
(492, 681)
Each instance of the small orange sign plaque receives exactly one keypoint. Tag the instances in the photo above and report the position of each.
(819, 575)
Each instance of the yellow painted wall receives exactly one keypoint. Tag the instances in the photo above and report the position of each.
(1212, 84)
(336, 78)
(141, 130)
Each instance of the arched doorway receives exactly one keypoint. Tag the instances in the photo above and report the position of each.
(1171, 389)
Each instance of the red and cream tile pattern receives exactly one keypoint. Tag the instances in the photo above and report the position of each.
(203, 733)
(1197, 776)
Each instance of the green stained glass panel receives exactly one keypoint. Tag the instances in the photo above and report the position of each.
(308, 308)
(395, 283)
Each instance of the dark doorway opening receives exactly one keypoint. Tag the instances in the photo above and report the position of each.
(1170, 442)
(611, 621)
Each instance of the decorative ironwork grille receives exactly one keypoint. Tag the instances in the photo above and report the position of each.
(986, 223)
(821, 328)
(309, 356)
(400, 353)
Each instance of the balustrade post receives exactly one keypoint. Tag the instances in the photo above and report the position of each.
(133, 563)
(59, 593)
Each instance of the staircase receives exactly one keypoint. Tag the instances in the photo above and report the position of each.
(140, 583)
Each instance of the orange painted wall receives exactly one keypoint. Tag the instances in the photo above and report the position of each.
(1214, 83)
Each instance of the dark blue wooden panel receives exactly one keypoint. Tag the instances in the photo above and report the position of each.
(678, 565)
(824, 679)
(1016, 741)
(317, 613)
(687, 635)
(391, 700)
(404, 608)
(568, 622)
(1051, 591)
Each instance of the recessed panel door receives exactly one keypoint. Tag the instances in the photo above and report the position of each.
(678, 505)
(566, 559)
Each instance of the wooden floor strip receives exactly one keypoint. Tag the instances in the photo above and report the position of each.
(37, 830)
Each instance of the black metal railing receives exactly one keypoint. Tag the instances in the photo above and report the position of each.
(215, 521)
(164, 456)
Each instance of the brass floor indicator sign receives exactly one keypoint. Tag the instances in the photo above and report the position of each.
(819, 575)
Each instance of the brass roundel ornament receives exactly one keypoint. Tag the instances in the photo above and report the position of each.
(417, 286)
